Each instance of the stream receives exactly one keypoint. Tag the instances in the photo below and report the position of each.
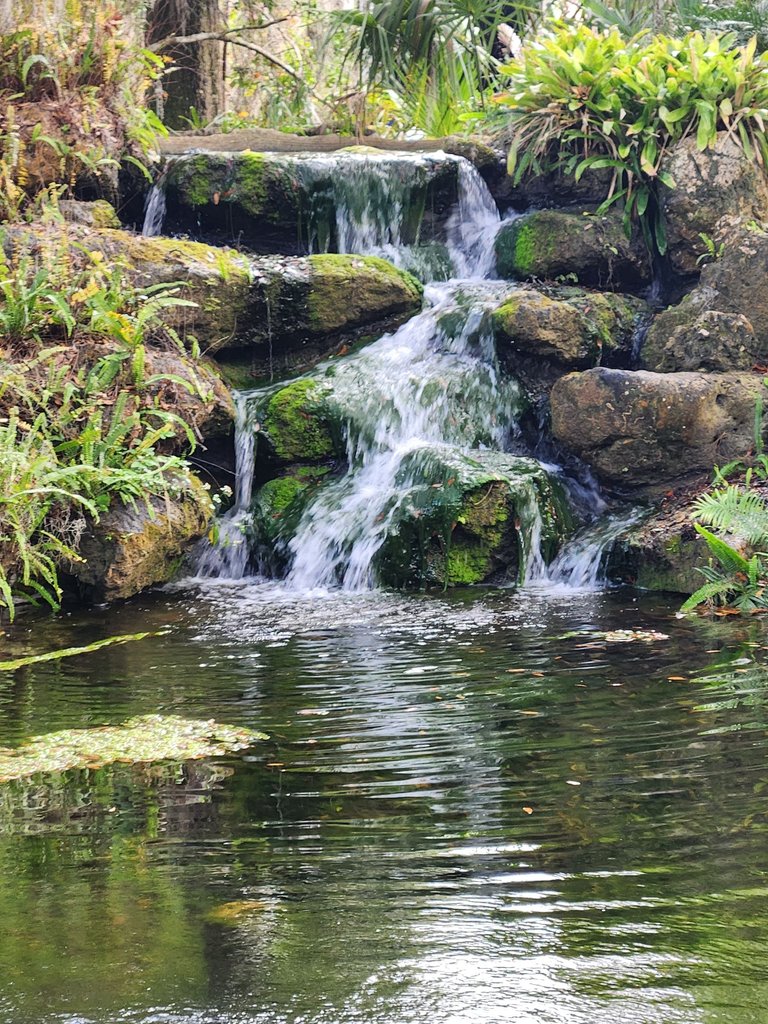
(472, 809)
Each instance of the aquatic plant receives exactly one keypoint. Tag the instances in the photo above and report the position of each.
(580, 100)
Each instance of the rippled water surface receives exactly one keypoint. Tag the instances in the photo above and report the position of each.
(465, 814)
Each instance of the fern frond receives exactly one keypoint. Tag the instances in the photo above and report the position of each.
(732, 510)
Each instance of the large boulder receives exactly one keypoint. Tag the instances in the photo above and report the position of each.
(471, 516)
(715, 190)
(723, 322)
(132, 548)
(584, 248)
(644, 431)
(568, 326)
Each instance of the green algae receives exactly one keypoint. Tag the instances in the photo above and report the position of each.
(145, 739)
(297, 425)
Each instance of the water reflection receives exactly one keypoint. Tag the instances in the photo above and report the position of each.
(463, 814)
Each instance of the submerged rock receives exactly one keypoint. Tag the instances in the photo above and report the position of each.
(714, 191)
(472, 516)
(584, 248)
(645, 431)
(133, 548)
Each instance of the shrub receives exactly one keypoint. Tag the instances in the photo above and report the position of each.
(581, 99)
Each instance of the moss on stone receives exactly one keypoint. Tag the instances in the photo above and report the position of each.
(346, 291)
(279, 503)
(297, 424)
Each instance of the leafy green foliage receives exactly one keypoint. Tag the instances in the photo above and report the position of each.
(581, 100)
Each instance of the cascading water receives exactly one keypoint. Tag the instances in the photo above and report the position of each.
(154, 211)
(428, 395)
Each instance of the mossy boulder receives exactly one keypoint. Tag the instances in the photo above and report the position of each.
(584, 248)
(278, 506)
(715, 190)
(349, 291)
(133, 548)
(569, 326)
(298, 426)
(470, 518)
(646, 431)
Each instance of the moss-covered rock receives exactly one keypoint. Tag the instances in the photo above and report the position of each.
(297, 424)
(347, 291)
(663, 552)
(470, 518)
(289, 202)
(96, 214)
(569, 326)
(584, 248)
(133, 548)
(279, 504)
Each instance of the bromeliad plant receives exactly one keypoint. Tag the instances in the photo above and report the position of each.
(580, 100)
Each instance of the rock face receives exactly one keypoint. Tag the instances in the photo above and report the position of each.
(585, 248)
(714, 191)
(644, 431)
(569, 326)
(297, 425)
(96, 214)
(723, 322)
(129, 550)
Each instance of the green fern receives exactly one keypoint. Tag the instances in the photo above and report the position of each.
(736, 511)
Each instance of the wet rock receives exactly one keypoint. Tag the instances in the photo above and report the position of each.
(277, 508)
(555, 189)
(714, 190)
(468, 519)
(663, 552)
(643, 431)
(129, 549)
(298, 426)
(568, 326)
(287, 203)
(584, 248)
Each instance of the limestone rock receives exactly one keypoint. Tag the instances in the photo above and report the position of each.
(129, 550)
(586, 248)
(96, 214)
(298, 426)
(643, 431)
(571, 327)
(688, 339)
(714, 190)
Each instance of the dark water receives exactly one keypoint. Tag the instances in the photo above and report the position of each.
(411, 845)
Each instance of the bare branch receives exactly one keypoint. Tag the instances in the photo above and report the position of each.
(204, 37)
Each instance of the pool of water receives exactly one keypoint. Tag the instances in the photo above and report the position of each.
(472, 809)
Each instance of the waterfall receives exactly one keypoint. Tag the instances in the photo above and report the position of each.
(373, 203)
(424, 403)
(227, 556)
(580, 563)
(154, 210)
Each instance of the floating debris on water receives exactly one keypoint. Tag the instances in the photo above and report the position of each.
(147, 738)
